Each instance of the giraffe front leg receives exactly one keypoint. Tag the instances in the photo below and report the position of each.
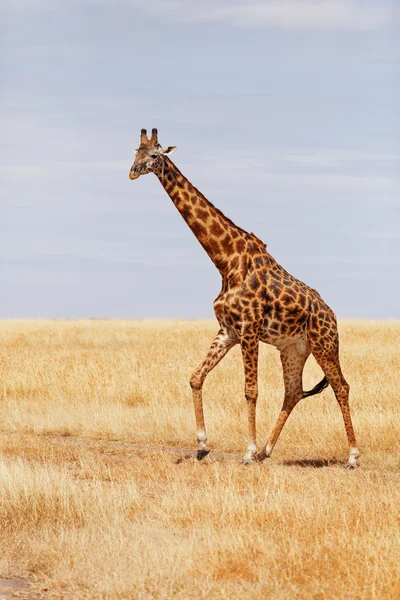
(250, 363)
(202, 449)
(219, 348)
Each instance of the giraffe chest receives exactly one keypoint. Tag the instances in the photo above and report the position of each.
(239, 311)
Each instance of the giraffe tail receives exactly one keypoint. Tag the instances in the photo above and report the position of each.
(317, 389)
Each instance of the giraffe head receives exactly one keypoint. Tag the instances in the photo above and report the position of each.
(149, 155)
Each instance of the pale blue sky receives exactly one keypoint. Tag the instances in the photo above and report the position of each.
(285, 115)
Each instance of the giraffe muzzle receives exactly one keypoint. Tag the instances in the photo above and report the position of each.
(133, 175)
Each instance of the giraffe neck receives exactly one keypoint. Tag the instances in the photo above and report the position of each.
(219, 236)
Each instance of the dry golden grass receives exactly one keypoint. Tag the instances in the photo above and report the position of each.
(104, 521)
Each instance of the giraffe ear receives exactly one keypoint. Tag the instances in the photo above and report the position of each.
(169, 150)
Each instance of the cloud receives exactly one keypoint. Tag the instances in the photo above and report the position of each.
(312, 167)
(56, 249)
(51, 168)
(336, 157)
(357, 260)
(28, 6)
(282, 14)
(356, 15)
(21, 172)
(384, 234)
(102, 165)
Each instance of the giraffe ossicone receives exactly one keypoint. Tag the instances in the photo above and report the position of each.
(259, 302)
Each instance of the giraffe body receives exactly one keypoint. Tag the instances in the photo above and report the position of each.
(259, 302)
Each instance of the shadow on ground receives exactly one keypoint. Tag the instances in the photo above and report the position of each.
(315, 463)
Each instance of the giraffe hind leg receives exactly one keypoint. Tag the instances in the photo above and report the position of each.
(341, 390)
(327, 356)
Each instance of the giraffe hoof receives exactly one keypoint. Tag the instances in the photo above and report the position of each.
(351, 466)
(202, 454)
(352, 462)
(260, 457)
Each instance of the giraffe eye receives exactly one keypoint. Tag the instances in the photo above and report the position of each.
(154, 156)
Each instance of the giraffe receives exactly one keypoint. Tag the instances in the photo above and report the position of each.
(259, 302)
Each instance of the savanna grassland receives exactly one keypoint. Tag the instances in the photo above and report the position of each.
(91, 521)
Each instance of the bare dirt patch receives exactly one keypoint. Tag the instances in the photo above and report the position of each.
(16, 587)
